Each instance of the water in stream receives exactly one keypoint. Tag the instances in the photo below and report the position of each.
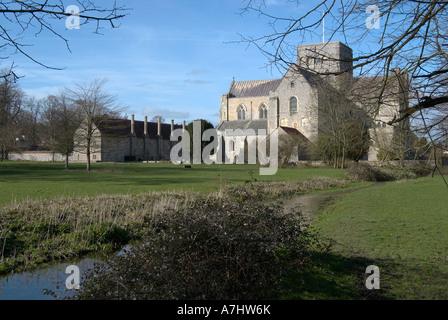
(31, 285)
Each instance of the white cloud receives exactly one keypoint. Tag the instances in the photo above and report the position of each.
(165, 113)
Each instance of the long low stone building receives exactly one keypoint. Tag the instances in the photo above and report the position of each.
(118, 140)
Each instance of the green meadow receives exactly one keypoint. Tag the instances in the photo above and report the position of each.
(401, 226)
(21, 181)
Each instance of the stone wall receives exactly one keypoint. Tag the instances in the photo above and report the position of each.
(250, 103)
(306, 118)
(37, 156)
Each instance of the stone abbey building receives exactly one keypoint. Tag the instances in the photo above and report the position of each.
(299, 101)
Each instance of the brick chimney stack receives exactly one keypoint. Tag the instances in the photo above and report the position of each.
(172, 126)
(132, 125)
(159, 127)
(146, 126)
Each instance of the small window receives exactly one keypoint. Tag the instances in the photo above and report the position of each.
(293, 85)
(284, 122)
(263, 112)
(304, 122)
(232, 145)
(293, 105)
(241, 113)
(317, 61)
(94, 157)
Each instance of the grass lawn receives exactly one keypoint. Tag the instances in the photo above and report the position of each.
(39, 181)
(402, 228)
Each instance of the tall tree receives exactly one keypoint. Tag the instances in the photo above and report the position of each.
(204, 125)
(343, 134)
(95, 107)
(69, 117)
(11, 105)
(50, 122)
(60, 118)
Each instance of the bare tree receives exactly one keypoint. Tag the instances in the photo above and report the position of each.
(60, 119)
(50, 122)
(412, 36)
(343, 134)
(39, 16)
(69, 117)
(27, 124)
(96, 107)
(11, 105)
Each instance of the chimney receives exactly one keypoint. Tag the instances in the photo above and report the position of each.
(159, 127)
(132, 125)
(172, 126)
(146, 126)
(183, 125)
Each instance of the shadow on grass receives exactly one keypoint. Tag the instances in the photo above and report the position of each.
(335, 277)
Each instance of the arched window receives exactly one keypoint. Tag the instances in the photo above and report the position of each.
(241, 113)
(293, 105)
(263, 112)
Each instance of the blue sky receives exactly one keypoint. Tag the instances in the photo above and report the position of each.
(171, 58)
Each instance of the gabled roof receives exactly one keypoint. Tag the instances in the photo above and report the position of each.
(372, 87)
(256, 88)
(262, 88)
(294, 132)
(122, 128)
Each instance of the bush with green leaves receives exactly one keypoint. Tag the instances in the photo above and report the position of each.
(212, 249)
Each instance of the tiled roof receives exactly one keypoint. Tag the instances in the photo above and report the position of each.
(122, 127)
(294, 131)
(256, 88)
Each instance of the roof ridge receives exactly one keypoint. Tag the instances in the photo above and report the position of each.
(264, 80)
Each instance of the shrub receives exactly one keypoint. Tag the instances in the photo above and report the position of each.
(420, 169)
(365, 172)
(209, 250)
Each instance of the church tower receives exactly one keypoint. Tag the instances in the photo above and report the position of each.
(324, 58)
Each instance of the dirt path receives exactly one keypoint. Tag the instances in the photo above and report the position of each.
(314, 204)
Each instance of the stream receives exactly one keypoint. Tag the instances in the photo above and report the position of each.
(31, 285)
